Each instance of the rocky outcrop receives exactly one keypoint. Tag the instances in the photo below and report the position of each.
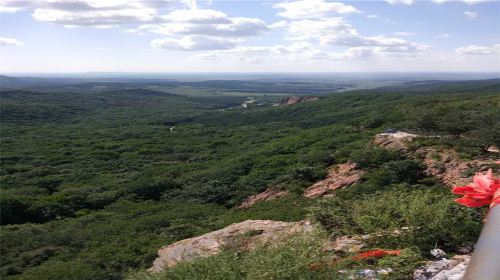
(394, 141)
(339, 176)
(268, 194)
(296, 99)
(245, 236)
(447, 166)
(445, 269)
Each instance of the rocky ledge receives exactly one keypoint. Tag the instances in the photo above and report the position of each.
(245, 236)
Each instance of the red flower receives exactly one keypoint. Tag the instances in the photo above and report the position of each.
(484, 190)
(375, 254)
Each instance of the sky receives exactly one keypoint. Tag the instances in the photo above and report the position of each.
(58, 36)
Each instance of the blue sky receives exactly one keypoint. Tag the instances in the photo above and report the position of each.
(254, 36)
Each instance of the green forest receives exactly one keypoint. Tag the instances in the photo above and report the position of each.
(93, 183)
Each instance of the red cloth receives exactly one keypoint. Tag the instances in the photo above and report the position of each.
(484, 190)
(375, 254)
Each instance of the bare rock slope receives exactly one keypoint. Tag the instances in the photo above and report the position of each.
(245, 235)
(339, 176)
(297, 99)
(268, 194)
(394, 141)
(444, 164)
(447, 166)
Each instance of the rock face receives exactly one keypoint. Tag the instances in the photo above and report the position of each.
(296, 99)
(268, 194)
(245, 235)
(447, 166)
(394, 141)
(447, 269)
(339, 176)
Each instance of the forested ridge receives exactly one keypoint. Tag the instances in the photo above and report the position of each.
(93, 183)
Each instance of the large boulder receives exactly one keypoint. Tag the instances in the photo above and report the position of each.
(244, 236)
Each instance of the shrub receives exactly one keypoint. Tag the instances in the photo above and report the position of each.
(290, 260)
(309, 174)
(374, 156)
(432, 217)
(145, 189)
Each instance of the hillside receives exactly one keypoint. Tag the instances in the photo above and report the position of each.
(95, 182)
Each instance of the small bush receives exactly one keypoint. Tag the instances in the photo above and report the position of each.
(432, 217)
(290, 260)
(374, 156)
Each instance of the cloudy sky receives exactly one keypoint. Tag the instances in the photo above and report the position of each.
(257, 36)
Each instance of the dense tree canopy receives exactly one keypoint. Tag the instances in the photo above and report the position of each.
(96, 182)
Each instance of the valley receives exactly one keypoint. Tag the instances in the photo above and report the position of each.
(95, 180)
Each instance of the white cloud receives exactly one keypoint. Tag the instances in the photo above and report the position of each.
(403, 33)
(4, 41)
(294, 51)
(303, 51)
(319, 29)
(4, 9)
(310, 23)
(260, 50)
(201, 29)
(188, 27)
(470, 15)
(404, 2)
(92, 12)
(199, 16)
(336, 32)
(372, 16)
(470, 2)
(216, 26)
(94, 18)
(194, 43)
(474, 50)
(305, 9)
(411, 2)
(444, 35)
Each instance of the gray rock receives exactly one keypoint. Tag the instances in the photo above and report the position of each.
(438, 253)
(445, 269)
(367, 274)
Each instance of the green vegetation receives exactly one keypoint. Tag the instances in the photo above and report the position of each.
(299, 258)
(94, 182)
